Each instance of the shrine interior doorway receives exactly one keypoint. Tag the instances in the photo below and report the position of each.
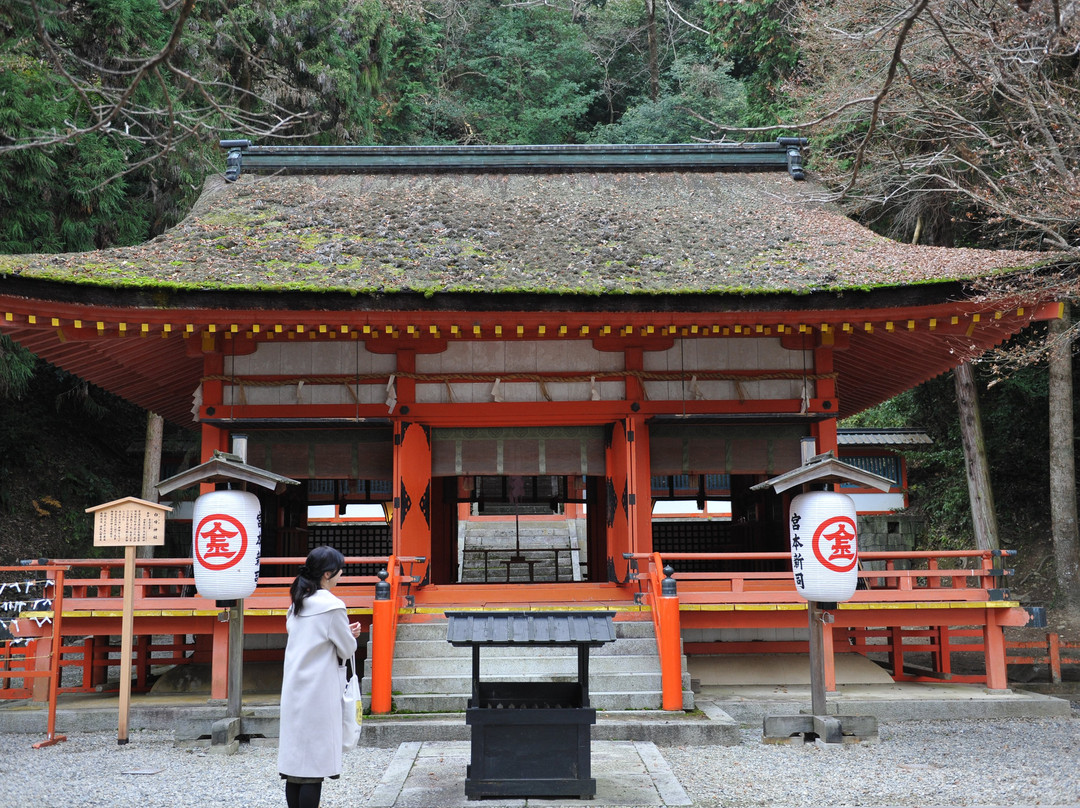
(523, 529)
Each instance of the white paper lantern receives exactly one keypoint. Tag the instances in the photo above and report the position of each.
(824, 552)
(227, 543)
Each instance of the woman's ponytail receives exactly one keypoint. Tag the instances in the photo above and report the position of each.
(319, 561)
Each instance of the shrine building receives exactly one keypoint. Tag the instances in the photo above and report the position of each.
(449, 346)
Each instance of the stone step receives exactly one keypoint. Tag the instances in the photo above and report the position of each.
(599, 684)
(503, 526)
(431, 675)
(508, 530)
(457, 702)
(440, 649)
(436, 630)
(496, 564)
(518, 667)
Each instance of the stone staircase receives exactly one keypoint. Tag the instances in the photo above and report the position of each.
(432, 676)
(534, 551)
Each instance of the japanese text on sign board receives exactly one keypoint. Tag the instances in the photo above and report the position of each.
(126, 525)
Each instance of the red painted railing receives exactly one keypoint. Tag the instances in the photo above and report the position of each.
(165, 597)
(923, 586)
(927, 584)
(905, 576)
(55, 582)
(1051, 651)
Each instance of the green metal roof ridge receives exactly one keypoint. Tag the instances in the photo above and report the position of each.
(785, 153)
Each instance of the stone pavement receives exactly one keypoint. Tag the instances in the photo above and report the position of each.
(426, 774)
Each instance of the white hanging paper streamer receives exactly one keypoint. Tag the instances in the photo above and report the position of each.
(594, 389)
(196, 402)
(496, 391)
(695, 389)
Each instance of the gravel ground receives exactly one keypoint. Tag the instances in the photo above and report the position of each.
(1016, 763)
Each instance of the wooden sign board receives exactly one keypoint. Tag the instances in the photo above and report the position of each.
(129, 522)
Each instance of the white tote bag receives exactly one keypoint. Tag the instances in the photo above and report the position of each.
(352, 709)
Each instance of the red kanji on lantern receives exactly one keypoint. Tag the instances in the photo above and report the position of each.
(218, 547)
(834, 544)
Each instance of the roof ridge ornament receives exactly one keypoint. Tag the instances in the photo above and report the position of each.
(794, 145)
(235, 157)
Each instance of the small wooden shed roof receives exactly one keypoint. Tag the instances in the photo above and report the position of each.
(537, 629)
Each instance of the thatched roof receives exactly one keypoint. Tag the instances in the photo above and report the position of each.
(571, 233)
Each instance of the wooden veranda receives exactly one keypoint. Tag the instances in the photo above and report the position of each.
(935, 603)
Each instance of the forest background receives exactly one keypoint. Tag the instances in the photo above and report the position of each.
(931, 121)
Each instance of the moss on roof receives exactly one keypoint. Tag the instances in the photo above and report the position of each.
(567, 233)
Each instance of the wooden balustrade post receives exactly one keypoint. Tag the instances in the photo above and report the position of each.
(828, 653)
(669, 642)
(382, 646)
(994, 652)
(1053, 653)
(51, 736)
(219, 660)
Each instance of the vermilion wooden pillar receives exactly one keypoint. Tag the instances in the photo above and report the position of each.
(412, 492)
(619, 475)
(825, 389)
(994, 649)
(213, 438)
(640, 498)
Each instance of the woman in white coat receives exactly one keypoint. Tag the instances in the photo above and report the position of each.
(320, 640)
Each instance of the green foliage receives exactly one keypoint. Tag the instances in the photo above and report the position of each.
(90, 191)
(522, 75)
(324, 59)
(896, 413)
(401, 116)
(692, 85)
(59, 198)
(16, 369)
(756, 37)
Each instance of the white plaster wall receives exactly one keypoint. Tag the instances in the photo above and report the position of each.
(546, 356)
(519, 392)
(314, 358)
(721, 354)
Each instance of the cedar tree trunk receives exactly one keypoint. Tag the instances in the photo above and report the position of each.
(983, 515)
(1063, 463)
(151, 467)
